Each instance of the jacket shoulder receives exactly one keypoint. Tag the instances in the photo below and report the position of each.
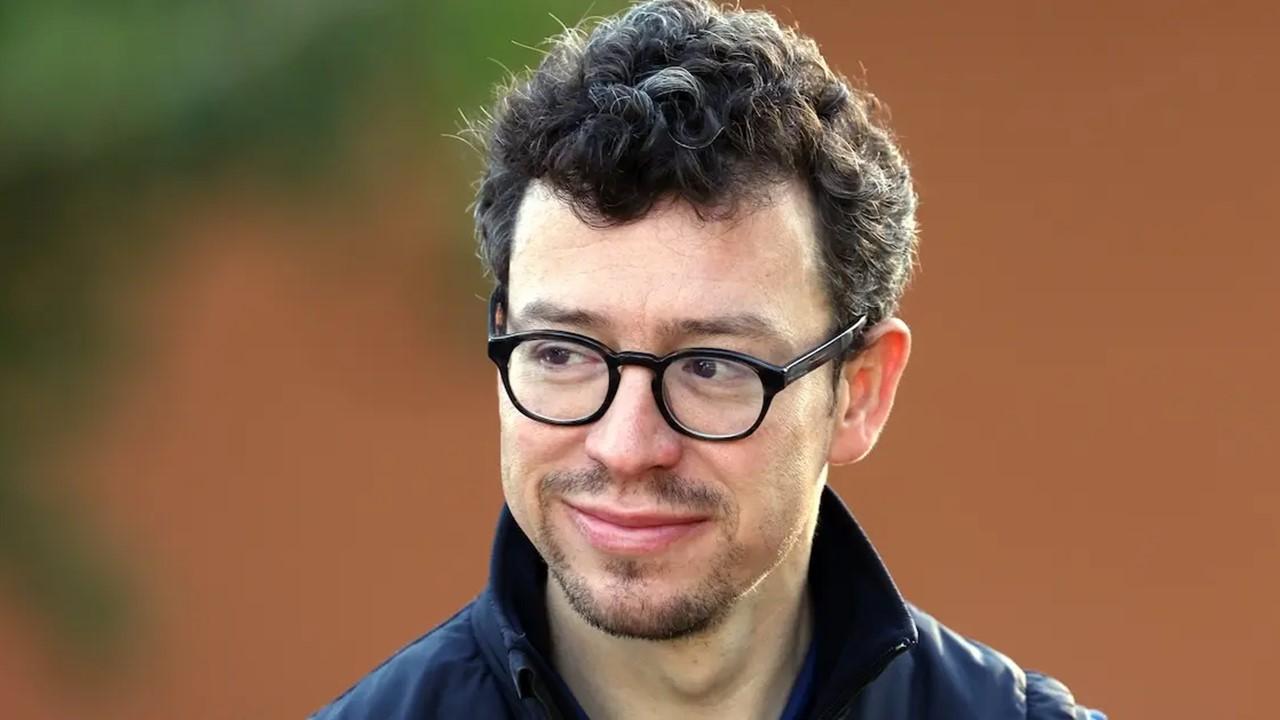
(946, 675)
(1049, 699)
(440, 674)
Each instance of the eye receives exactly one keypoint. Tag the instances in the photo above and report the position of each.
(705, 368)
(555, 355)
(560, 355)
(715, 370)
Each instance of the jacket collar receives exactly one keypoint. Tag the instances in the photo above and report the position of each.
(860, 619)
(861, 622)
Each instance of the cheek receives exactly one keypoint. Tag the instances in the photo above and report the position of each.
(778, 482)
(519, 484)
(529, 446)
(529, 450)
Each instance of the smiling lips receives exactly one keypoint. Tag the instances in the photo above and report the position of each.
(633, 533)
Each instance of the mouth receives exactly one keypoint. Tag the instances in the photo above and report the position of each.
(620, 532)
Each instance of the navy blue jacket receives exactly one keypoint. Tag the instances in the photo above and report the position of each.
(877, 657)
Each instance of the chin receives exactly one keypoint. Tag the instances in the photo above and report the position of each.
(650, 599)
(624, 603)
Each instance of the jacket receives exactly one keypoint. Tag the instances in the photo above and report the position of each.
(877, 656)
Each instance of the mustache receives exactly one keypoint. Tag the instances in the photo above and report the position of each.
(667, 488)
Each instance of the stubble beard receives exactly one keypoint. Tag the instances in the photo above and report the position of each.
(626, 607)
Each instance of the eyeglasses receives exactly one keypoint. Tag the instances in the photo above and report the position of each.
(563, 378)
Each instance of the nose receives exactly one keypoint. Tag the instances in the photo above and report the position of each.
(633, 438)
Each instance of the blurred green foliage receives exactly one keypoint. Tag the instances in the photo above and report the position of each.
(104, 103)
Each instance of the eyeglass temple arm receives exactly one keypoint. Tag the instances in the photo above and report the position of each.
(835, 346)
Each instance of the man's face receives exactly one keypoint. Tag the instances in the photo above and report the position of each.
(650, 533)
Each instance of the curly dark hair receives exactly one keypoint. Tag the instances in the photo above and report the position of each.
(685, 99)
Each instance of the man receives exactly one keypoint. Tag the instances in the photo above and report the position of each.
(699, 236)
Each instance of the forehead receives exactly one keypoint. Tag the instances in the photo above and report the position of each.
(672, 265)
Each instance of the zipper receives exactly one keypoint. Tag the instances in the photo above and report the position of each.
(530, 685)
(876, 669)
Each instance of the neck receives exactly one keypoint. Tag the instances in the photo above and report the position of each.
(743, 667)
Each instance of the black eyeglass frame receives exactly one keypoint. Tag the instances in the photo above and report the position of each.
(773, 378)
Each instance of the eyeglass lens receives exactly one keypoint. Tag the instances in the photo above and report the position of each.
(711, 395)
(558, 379)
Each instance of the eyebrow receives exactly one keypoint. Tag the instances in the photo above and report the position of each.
(545, 312)
(743, 325)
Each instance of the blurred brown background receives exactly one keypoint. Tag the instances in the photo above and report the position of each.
(248, 441)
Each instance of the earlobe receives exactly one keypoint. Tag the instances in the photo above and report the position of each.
(868, 385)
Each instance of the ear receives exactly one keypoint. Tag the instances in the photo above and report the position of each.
(864, 395)
(497, 319)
